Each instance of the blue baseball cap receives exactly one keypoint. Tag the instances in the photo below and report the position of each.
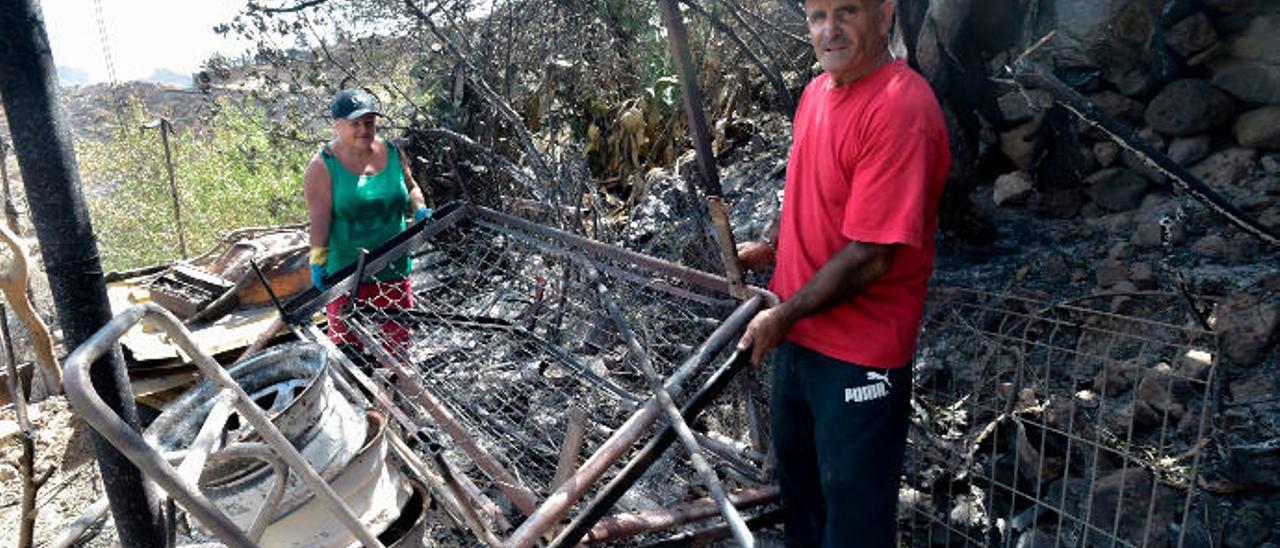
(350, 104)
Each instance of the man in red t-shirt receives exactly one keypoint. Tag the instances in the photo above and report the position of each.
(854, 252)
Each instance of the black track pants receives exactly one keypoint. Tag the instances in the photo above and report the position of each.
(839, 430)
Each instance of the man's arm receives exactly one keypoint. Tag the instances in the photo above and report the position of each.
(755, 256)
(840, 279)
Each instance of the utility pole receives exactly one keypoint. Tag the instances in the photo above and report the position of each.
(165, 129)
(28, 87)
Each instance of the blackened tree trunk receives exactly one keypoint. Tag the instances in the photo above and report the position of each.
(28, 87)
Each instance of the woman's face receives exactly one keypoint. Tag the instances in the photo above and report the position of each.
(359, 132)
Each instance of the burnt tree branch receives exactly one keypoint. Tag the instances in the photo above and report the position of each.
(1031, 75)
(769, 72)
(507, 166)
(499, 104)
(254, 6)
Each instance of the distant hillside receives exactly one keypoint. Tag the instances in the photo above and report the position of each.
(170, 77)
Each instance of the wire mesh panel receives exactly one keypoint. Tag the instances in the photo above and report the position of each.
(503, 341)
(1043, 424)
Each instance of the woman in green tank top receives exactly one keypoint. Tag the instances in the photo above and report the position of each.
(359, 193)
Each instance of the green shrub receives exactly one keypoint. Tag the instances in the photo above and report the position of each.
(233, 172)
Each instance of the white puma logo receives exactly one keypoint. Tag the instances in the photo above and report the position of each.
(871, 391)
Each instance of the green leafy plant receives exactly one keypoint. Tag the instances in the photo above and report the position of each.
(238, 169)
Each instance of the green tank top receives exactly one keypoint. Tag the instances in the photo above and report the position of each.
(367, 211)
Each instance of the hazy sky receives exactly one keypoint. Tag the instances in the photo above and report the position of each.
(143, 35)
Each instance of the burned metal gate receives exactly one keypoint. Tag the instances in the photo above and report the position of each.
(505, 348)
(1057, 424)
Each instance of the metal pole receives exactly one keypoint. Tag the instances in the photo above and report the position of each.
(679, 42)
(165, 129)
(28, 86)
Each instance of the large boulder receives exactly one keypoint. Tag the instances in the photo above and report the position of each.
(1259, 128)
(1249, 81)
(1191, 35)
(1189, 106)
(1116, 189)
(1249, 321)
(1225, 167)
(1115, 35)
(1260, 41)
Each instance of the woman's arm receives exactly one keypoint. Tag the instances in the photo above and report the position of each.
(317, 190)
(416, 200)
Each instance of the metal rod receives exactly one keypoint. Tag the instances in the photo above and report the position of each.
(620, 526)
(513, 488)
(80, 394)
(575, 431)
(678, 40)
(640, 463)
(561, 502)
(705, 473)
(447, 491)
(708, 535)
(165, 129)
(50, 177)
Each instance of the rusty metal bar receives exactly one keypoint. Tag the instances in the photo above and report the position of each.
(559, 503)
(574, 432)
(81, 395)
(708, 535)
(678, 40)
(708, 476)
(447, 490)
(640, 463)
(696, 277)
(620, 526)
(523, 498)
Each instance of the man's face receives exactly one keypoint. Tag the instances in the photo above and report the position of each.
(848, 35)
(358, 132)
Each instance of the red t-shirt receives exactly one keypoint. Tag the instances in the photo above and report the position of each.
(868, 163)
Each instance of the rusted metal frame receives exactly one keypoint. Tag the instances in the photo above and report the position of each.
(705, 473)
(698, 278)
(81, 395)
(502, 324)
(608, 495)
(452, 484)
(639, 279)
(678, 40)
(625, 436)
(521, 496)
(1034, 76)
(303, 305)
(621, 526)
